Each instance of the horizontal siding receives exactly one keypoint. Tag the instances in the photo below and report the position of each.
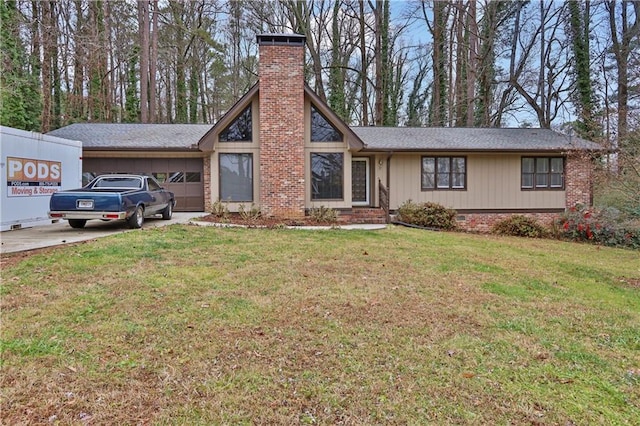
(493, 182)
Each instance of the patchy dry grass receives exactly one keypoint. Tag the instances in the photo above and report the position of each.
(190, 325)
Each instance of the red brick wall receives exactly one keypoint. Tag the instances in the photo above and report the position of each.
(578, 179)
(282, 130)
(484, 222)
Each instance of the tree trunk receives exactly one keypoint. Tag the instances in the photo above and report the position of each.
(143, 32)
(621, 49)
(153, 65)
(363, 66)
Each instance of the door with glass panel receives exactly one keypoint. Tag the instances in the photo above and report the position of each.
(360, 188)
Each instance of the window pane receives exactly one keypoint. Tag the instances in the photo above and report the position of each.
(542, 180)
(428, 172)
(556, 180)
(443, 180)
(457, 165)
(444, 164)
(153, 185)
(527, 165)
(458, 180)
(556, 165)
(527, 180)
(542, 165)
(327, 176)
(239, 130)
(236, 177)
(458, 172)
(321, 129)
(175, 177)
(160, 177)
(193, 177)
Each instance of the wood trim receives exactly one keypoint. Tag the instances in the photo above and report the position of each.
(142, 154)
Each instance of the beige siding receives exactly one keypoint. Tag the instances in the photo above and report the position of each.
(239, 148)
(493, 182)
(324, 147)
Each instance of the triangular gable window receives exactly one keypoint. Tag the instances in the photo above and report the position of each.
(321, 129)
(240, 130)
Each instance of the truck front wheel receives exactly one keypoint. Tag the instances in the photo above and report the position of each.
(137, 218)
(77, 223)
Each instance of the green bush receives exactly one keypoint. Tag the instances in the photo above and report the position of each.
(428, 215)
(604, 227)
(520, 226)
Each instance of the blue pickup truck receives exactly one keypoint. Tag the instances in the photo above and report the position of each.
(113, 197)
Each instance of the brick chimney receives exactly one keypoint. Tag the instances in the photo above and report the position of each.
(281, 72)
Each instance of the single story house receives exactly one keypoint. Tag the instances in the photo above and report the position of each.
(281, 148)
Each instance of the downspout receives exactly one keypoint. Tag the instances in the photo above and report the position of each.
(389, 185)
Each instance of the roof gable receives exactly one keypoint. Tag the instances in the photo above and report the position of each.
(350, 137)
(208, 140)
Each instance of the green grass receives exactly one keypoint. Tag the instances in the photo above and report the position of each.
(193, 325)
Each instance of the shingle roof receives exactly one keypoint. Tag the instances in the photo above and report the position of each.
(187, 136)
(468, 139)
(134, 136)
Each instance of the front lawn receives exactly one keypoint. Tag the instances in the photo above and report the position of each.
(202, 325)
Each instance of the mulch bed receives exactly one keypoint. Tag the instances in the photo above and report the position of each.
(264, 222)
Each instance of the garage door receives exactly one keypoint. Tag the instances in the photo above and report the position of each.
(183, 176)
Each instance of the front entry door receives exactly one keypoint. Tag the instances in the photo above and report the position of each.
(360, 181)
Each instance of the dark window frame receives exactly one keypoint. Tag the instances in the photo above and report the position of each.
(436, 173)
(227, 130)
(549, 174)
(315, 110)
(313, 195)
(220, 180)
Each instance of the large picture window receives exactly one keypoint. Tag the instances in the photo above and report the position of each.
(327, 176)
(236, 177)
(444, 173)
(542, 173)
(240, 130)
(321, 129)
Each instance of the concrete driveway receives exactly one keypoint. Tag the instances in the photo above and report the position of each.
(61, 233)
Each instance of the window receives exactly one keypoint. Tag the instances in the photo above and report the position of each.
(153, 185)
(193, 177)
(240, 130)
(327, 176)
(236, 177)
(444, 173)
(321, 129)
(160, 177)
(542, 173)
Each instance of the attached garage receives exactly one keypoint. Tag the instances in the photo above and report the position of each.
(183, 176)
(169, 152)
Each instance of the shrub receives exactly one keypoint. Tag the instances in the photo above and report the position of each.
(323, 214)
(520, 226)
(604, 226)
(251, 215)
(219, 209)
(428, 215)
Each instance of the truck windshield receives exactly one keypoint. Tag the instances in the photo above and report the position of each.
(119, 182)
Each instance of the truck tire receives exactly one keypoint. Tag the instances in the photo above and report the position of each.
(168, 211)
(137, 218)
(77, 223)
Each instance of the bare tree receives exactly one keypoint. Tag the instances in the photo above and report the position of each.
(621, 38)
